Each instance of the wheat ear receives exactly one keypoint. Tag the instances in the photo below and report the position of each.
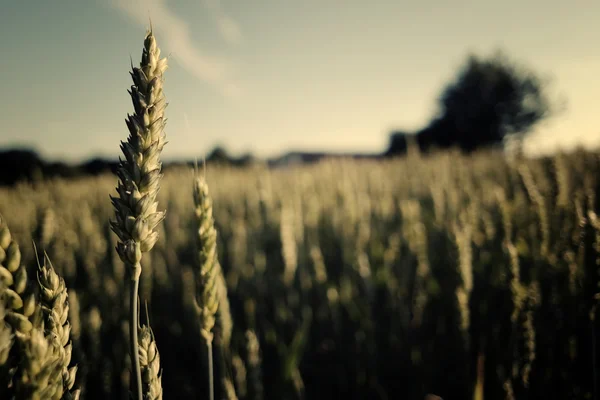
(55, 309)
(150, 364)
(21, 369)
(224, 321)
(38, 371)
(39, 374)
(207, 297)
(19, 304)
(255, 389)
(229, 389)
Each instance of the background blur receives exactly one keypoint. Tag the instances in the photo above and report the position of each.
(399, 205)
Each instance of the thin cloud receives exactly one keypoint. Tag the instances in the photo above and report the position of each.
(228, 28)
(176, 34)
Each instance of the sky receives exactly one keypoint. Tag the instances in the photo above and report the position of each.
(269, 76)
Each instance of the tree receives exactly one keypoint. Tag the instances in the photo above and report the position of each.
(219, 155)
(488, 100)
(397, 143)
(19, 165)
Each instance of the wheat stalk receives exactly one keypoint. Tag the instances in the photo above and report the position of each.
(207, 286)
(139, 175)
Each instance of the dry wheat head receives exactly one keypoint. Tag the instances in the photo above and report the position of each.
(140, 172)
(207, 298)
(20, 305)
(55, 308)
(150, 364)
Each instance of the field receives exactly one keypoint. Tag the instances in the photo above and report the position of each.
(442, 274)
(353, 279)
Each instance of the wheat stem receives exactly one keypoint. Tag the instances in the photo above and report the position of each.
(133, 337)
(594, 352)
(211, 381)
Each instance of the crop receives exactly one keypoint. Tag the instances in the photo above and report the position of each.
(461, 276)
(139, 179)
(35, 353)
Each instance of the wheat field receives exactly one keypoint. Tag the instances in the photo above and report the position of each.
(367, 279)
(465, 277)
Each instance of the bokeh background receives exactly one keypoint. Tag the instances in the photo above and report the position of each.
(405, 193)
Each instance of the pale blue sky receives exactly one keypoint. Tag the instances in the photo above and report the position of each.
(271, 75)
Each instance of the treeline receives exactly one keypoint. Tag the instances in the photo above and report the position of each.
(18, 165)
(26, 165)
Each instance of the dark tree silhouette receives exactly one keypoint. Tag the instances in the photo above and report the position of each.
(397, 143)
(97, 166)
(489, 99)
(246, 159)
(19, 165)
(219, 155)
